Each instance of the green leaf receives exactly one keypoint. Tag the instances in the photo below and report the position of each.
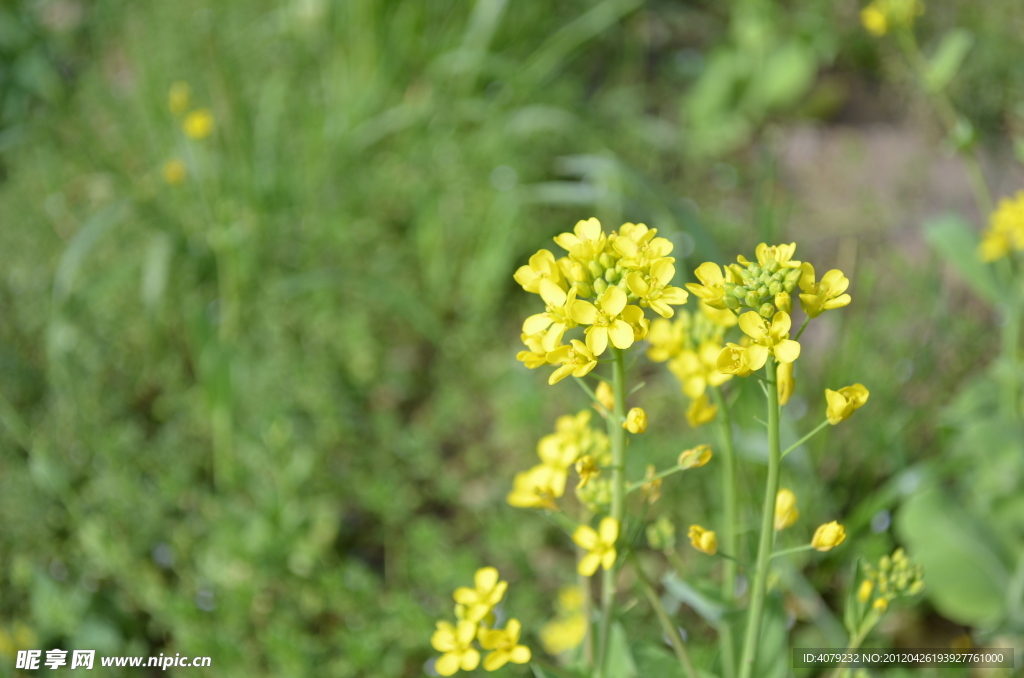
(946, 61)
(652, 660)
(851, 611)
(951, 237)
(773, 650)
(965, 575)
(620, 657)
(785, 76)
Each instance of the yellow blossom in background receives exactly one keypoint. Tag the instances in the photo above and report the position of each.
(769, 338)
(555, 319)
(604, 320)
(1006, 229)
(600, 545)
(842, 403)
(667, 338)
(586, 468)
(864, 591)
(505, 647)
(880, 604)
(654, 291)
(179, 97)
(784, 382)
(636, 420)
(881, 16)
(532, 489)
(701, 411)
(874, 20)
(826, 295)
(198, 124)
(661, 534)
(786, 512)
(570, 599)
(456, 642)
(574, 358)
(487, 593)
(174, 172)
(703, 540)
(828, 536)
(695, 457)
(542, 266)
(563, 634)
(651, 489)
(605, 396)
(699, 369)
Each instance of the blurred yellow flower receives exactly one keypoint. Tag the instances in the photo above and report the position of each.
(636, 420)
(600, 545)
(881, 604)
(881, 16)
(605, 396)
(198, 124)
(735, 359)
(1006, 229)
(174, 172)
(586, 468)
(535, 354)
(864, 592)
(570, 599)
(703, 540)
(505, 647)
(695, 457)
(784, 382)
(786, 512)
(699, 369)
(487, 593)
(874, 20)
(561, 635)
(532, 489)
(456, 642)
(842, 403)
(701, 411)
(179, 97)
(651, 489)
(828, 536)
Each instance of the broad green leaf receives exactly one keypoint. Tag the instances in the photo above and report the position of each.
(620, 657)
(653, 660)
(946, 61)
(703, 604)
(785, 76)
(773, 651)
(951, 237)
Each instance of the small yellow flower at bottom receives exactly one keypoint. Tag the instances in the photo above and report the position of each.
(636, 421)
(198, 124)
(705, 541)
(505, 646)
(575, 359)
(786, 512)
(842, 403)
(600, 545)
(828, 536)
(456, 642)
(480, 600)
(174, 172)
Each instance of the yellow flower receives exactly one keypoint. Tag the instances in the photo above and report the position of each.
(786, 512)
(780, 254)
(174, 172)
(600, 545)
(535, 354)
(456, 642)
(604, 320)
(555, 319)
(882, 15)
(655, 291)
(586, 242)
(735, 359)
(639, 248)
(198, 124)
(842, 403)
(769, 338)
(636, 420)
(587, 469)
(864, 592)
(711, 289)
(699, 369)
(505, 646)
(667, 338)
(874, 20)
(881, 604)
(570, 599)
(827, 295)
(480, 600)
(703, 540)
(605, 396)
(562, 635)
(651, 489)
(1006, 229)
(701, 411)
(542, 266)
(532, 489)
(828, 536)
(178, 98)
(575, 359)
(695, 457)
(784, 382)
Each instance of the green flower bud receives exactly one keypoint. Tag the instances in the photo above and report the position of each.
(772, 266)
(596, 270)
(755, 270)
(600, 286)
(731, 302)
(752, 299)
(583, 290)
(767, 310)
(739, 292)
(606, 260)
(612, 275)
(762, 291)
(774, 288)
(789, 286)
(793, 275)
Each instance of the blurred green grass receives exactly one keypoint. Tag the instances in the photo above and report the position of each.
(270, 415)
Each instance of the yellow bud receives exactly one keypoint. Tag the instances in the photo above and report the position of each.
(703, 540)
(784, 382)
(605, 396)
(198, 124)
(786, 512)
(881, 604)
(915, 588)
(864, 592)
(701, 411)
(636, 421)
(696, 457)
(784, 302)
(828, 536)
(843, 403)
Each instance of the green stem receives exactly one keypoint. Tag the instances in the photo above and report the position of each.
(789, 552)
(589, 391)
(803, 327)
(618, 439)
(764, 550)
(729, 530)
(805, 438)
(667, 626)
(855, 642)
(632, 487)
(1011, 350)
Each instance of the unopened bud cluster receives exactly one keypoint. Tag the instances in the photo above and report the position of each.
(765, 289)
(894, 577)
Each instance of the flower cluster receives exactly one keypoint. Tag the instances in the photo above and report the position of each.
(882, 15)
(895, 576)
(569, 627)
(1005, 233)
(197, 124)
(474, 622)
(574, 443)
(603, 284)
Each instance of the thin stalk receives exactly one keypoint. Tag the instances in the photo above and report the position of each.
(789, 552)
(729, 531)
(855, 642)
(674, 637)
(1011, 349)
(805, 438)
(632, 487)
(618, 440)
(764, 550)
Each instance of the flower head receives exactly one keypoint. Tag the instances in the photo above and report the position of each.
(542, 266)
(1006, 229)
(456, 642)
(575, 359)
(738, 360)
(600, 545)
(825, 295)
(564, 633)
(768, 338)
(198, 124)
(703, 540)
(636, 420)
(605, 320)
(654, 290)
(555, 319)
(843, 403)
(698, 369)
(533, 489)
(711, 289)
(786, 512)
(505, 647)
(488, 592)
(695, 457)
(701, 411)
(828, 536)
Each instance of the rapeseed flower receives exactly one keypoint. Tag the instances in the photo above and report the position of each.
(881, 16)
(711, 289)
(786, 512)
(769, 338)
(533, 489)
(604, 320)
(600, 545)
(654, 290)
(555, 319)
(843, 403)
(505, 647)
(698, 369)
(456, 642)
(736, 359)
(542, 266)
(703, 540)
(198, 124)
(701, 411)
(636, 421)
(605, 396)
(639, 248)
(826, 295)
(695, 457)
(574, 358)
(535, 354)
(563, 634)
(828, 536)
(1006, 229)
(488, 592)
(174, 172)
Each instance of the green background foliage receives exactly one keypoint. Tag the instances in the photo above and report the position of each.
(270, 415)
